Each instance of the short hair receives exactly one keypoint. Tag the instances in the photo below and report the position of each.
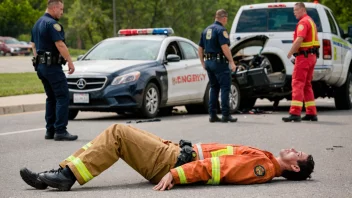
(306, 169)
(221, 13)
(54, 2)
(301, 5)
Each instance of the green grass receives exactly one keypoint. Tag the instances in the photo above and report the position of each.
(20, 84)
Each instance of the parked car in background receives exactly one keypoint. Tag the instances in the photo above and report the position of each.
(13, 47)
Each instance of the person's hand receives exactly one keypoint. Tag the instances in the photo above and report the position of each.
(233, 67)
(165, 183)
(71, 68)
(203, 64)
(289, 55)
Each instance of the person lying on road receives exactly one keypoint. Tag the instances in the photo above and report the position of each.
(165, 163)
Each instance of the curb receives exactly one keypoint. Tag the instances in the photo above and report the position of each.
(21, 108)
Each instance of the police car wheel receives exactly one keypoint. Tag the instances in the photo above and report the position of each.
(343, 94)
(151, 102)
(72, 114)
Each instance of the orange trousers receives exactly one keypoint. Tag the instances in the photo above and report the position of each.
(302, 87)
(146, 153)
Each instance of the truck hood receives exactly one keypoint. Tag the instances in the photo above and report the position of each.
(249, 41)
(104, 66)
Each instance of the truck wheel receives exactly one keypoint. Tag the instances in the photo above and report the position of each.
(72, 114)
(150, 104)
(235, 97)
(343, 94)
(200, 108)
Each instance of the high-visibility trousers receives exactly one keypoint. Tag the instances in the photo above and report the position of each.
(146, 153)
(302, 87)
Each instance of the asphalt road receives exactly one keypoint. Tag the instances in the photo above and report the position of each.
(22, 144)
(16, 64)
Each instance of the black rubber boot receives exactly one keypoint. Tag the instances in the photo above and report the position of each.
(32, 178)
(66, 136)
(310, 118)
(228, 119)
(62, 180)
(294, 118)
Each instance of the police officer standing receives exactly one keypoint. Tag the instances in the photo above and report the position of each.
(50, 53)
(215, 60)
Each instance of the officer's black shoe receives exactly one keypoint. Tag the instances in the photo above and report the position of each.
(32, 178)
(310, 118)
(214, 119)
(66, 136)
(228, 119)
(49, 134)
(62, 180)
(294, 118)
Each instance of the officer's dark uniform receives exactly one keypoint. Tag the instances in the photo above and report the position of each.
(217, 66)
(45, 33)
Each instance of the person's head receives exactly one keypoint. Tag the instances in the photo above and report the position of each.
(297, 165)
(299, 10)
(221, 16)
(56, 8)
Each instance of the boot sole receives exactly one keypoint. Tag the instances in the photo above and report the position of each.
(30, 180)
(64, 139)
(54, 184)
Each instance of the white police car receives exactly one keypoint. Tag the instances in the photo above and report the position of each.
(144, 71)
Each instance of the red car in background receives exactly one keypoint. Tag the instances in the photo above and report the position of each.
(12, 46)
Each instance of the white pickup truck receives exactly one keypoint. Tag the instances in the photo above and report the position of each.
(276, 22)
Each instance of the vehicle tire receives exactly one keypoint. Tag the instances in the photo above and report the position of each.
(200, 108)
(343, 94)
(72, 114)
(165, 111)
(151, 102)
(235, 97)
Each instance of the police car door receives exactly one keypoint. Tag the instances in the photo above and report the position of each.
(177, 76)
(197, 78)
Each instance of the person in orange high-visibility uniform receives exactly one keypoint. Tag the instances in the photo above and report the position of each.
(157, 160)
(305, 48)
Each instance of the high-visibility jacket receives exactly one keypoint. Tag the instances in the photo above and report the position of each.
(307, 29)
(234, 164)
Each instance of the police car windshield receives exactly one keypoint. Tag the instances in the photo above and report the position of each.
(125, 49)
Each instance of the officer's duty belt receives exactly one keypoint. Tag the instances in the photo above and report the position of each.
(50, 59)
(220, 57)
(308, 51)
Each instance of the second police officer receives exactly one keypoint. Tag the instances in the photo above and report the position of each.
(215, 56)
(50, 52)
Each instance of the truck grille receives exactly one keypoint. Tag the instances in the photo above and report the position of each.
(85, 84)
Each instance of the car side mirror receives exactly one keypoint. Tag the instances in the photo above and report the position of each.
(80, 57)
(173, 58)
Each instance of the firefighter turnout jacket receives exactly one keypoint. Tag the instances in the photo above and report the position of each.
(231, 164)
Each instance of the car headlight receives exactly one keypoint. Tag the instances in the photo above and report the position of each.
(130, 77)
(12, 49)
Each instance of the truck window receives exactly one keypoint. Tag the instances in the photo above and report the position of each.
(331, 22)
(272, 20)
